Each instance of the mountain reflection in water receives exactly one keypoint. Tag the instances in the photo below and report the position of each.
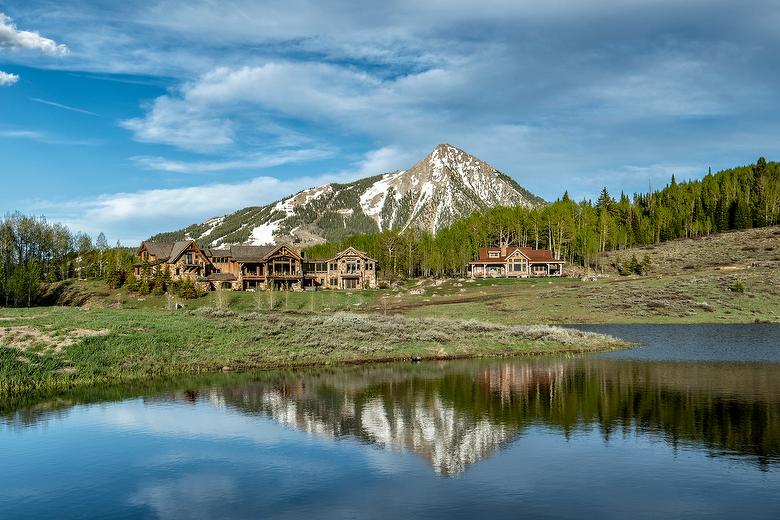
(455, 414)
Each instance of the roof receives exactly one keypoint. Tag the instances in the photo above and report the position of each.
(222, 277)
(539, 255)
(533, 255)
(162, 250)
(178, 248)
(211, 253)
(352, 250)
(250, 253)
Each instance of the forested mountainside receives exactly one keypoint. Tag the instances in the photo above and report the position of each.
(446, 185)
(579, 232)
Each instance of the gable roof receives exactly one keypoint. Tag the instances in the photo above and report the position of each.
(292, 249)
(162, 250)
(351, 250)
(533, 255)
(539, 255)
(179, 248)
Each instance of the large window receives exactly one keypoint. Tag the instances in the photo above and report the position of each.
(518, 266)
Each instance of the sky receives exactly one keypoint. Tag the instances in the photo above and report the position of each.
(132, 118)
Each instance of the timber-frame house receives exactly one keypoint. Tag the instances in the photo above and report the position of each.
(514, 262)
(248, 267)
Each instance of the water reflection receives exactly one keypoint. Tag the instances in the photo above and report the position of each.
(455, 414)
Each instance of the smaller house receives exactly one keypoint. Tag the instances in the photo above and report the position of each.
(514, 262)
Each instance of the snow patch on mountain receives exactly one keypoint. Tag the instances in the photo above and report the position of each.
(264, 234)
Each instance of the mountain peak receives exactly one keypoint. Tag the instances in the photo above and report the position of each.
(447, 184)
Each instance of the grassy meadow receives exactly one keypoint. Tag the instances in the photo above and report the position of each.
(53, 349)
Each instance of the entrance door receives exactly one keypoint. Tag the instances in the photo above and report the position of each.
(350, 283)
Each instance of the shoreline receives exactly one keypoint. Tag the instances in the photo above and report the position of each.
(59, 349)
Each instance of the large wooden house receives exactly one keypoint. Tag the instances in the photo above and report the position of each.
(247, 267)
(516, 262)
(349, 269)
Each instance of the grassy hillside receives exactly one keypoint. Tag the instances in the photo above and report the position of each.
(725, 278)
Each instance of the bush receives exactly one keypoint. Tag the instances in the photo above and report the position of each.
(144, 287)
(633, 266)
(738, 287)
(187, 289)
(131, 283)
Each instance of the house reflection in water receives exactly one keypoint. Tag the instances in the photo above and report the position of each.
(455, 414)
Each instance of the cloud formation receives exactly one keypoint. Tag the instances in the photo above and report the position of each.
(14, 39)
(560, 95)
(7, 78)
(255, 161)
(135, 216)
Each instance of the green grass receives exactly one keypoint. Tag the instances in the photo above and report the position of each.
(53, 349)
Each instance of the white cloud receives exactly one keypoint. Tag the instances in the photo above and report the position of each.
(8, 79)
(181, 124)
(134, 216)
(216, 110)
(14, 39)
(254, 161)
(44, 137)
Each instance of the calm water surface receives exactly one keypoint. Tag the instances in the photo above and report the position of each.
(686, 425)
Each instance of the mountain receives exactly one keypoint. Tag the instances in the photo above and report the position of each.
(447, 184)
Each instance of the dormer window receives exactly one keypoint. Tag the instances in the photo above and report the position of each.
(494, 254)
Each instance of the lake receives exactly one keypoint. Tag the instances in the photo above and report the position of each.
(685, 425)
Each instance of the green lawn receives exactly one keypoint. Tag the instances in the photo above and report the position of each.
(55, 348)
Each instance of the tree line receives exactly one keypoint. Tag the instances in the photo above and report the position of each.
(579, 232)
(34, 251)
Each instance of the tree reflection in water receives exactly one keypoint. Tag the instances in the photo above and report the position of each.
(457, 413)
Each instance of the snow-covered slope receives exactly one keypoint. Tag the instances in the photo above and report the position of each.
(446, 185)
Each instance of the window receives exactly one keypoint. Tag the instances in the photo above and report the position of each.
(188, 258)
(333, 281)
(494, 254)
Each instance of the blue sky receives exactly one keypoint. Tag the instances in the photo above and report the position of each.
(133, 119)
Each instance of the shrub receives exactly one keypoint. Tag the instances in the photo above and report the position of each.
(738, 287)
(131, 283)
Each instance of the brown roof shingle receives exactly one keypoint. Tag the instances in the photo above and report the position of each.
(162, 250)
(250, 253)
(178, 248)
